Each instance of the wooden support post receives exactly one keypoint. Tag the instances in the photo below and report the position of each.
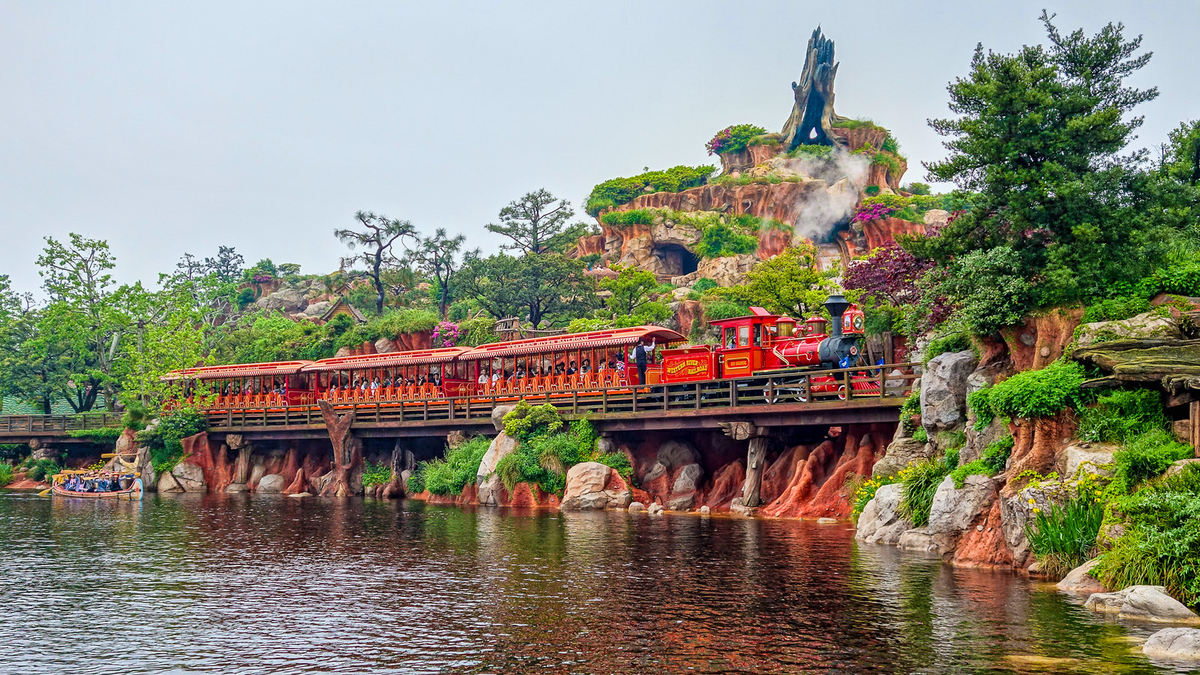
(1194, 418)
(889, 348)
(756, 458)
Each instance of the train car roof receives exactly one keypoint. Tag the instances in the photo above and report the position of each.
(573, 341)
(236, 370)
(388, 360)
(755, 313)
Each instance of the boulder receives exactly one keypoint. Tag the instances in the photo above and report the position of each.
(681, 503)
(954, 510)
(1093, 458)
(636, 507)
(585, 478)
(257, 471)
(880, 521)
(918, 539)
(271, 484)
(316, 309)
(498, 414)
(677, 453)
(899, 454)
(655, 471)
(1017, 510)
(236, 488)
(944, 390)
(385, 346)
(1080, 580)
(190, 477)
(1178, 644)
(592, 485)
(167, 483)
(654, 509)
(1150, 325)
(286, 299)
(1143, 603)
(1179, 465)
(489, 484)
(688, 477)
(704, 510)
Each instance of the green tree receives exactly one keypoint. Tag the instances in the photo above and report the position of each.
(437, 257)
(786, 284)
(631, 290)
(537, 224)
(377, 236)
(548, 288)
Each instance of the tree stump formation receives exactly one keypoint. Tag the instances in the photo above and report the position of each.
(345, 476)
(812, 115)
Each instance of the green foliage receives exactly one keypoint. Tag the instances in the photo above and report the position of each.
(548, 288)
(704, 284)
(546, 450)
(448, 475)
(989, 288)
(980, 405)
(41, 469)
(479, 331)
(721, 240)
(865, 492)
(525, 421)
(1064, 537)
(135, 415)
(6, 473)
(991, 462)
(1161, 541)
(920, 435)
(920, 189)
(375, 474)
(914, 208)
(947, 344)
(858, 123)
(1147, 456)
(786, 284)
(734, 139)
(1121, 415)
(165, 438)
(245, 297)
(920, 482)
(720, 308)
(910, 409)
(1116, 309)
(619, 191)
(871, 190)
(103, 435)
(631, 217)
(1040, 393)
(814, 152)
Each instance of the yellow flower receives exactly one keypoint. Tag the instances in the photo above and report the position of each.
(1036, 510)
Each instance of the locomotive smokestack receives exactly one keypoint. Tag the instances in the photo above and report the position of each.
(836, 304)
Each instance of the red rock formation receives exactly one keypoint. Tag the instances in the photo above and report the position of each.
(778, 475)
(687, 313)
(528, 496)
(782, 201)
(982, 545)
(752, 156)
(726, 484)
(860, 137)
(215, 463)
(816, 484)
(772, 243)
(411, 341)
(882, 231)
(1037, 443)
(298, 484)
(1040, 340)
(590, 245)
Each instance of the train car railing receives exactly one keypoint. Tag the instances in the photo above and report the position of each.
(41, 424)
(779, 390)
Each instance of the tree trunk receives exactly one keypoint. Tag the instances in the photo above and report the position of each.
(241, 470)
(756, 458)
(812, 113)
(345, 477)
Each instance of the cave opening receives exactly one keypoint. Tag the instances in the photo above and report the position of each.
(676, 259)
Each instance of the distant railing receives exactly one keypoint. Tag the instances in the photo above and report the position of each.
(791, 390)
(41, 424)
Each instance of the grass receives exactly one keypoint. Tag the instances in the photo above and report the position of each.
(1063, 537)
(948, 344)
(920, 482)
(450, 474)
(6, 473)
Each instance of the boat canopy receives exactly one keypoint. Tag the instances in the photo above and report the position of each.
(616, 337)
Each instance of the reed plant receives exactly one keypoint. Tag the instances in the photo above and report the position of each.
(1063, 537)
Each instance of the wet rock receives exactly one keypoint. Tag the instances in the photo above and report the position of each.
(636, 507)
(190, 477)
(488, 482)
(1143, 326)
(880, 521)
(233, 488)
(944, 390)
(688, 477)
(167, 484)
(1017, 510)
(271, 484)
(654, 509)
(900, 453)
(918, 539)
(1143, 603)
(1180, 644)
(704, 510)
(1080, 580)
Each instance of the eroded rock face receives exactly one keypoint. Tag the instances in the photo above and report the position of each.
(489, 484)
(271, 484)
(955, 510)
(688, 479)
(190, 477)
(1143, 603)
(1180, 644)
(944, 390)
(727, 271)
(1148, 325)
(880, 521)
(900, 453)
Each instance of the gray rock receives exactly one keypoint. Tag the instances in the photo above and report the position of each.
(1178, 466)
(488, 482)
(498, 414)
(619, 499)
(1143, 603)
(236, 487)
(688, 477)
(655, 471)
(655, 509)
(1179, 644)
(944, 390)
(585, 488)
(899, 454)
(918, 539)
(190, 477)
(168, 484)
(315, 309)
(880, 521)
(593, 501)
(1080, 580)
(1094, 458)
(1148, 325)
(271, 484)
(677, 453)
(681, 503)
(1017, 511)
(704, 510)
(636, 507)
(257, 471)
(286, 299)
(953, 509)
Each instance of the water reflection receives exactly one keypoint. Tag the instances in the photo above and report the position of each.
(229, 583)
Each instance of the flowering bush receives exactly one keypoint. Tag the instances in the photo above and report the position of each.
(445, 334)
(263, 278)
(866, 492)
(733, 139)
(873, 211)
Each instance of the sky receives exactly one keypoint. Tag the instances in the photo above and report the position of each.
(166, 128)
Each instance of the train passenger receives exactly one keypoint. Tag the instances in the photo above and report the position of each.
(585, 366)
(572, 369)
(483, 378)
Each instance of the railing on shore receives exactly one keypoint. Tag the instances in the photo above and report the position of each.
(10, 424)
(791, 390)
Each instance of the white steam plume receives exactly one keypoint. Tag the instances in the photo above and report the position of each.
(821, 210)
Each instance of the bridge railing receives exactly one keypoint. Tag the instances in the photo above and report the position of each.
(41, 424)
(791, 390)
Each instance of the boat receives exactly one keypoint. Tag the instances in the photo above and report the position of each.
(132, 491)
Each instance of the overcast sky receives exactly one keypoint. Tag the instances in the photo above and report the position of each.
(263, 126)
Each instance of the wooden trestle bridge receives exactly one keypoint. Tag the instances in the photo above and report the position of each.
(767, 401)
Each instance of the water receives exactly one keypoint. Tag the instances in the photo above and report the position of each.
(229, 583)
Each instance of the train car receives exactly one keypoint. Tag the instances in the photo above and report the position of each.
(765, 343)
(392, 376)
(246, 385)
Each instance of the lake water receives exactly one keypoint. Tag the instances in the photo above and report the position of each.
(234, 584)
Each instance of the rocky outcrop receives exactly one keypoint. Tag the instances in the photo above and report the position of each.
(955, 510)
(1142, 603)
(944, 390)
(1143, 326)
(1039, 340)
(900, 453)
(287, 299)
(1088, 458)
(880, 521)
(594, 486)
(189, 477)
(167, 484)
(727, 271)
(490, 488)
(1176, 644)
(817, 487)
(1038, 442)
(1017, 509)
(726, 485)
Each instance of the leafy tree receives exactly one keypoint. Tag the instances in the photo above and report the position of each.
(436, 256)
(538, 288)
(631, 290)
(228, 266)
(537, 223)
(785, 284)
(376, 239)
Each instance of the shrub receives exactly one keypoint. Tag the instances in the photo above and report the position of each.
(991, 461)
(545, 451)
(1146, 457)
(733, 139)
(721, 240)
(619, 191)
(980, 404)
(135, 415)
(989, 289)
(1064, 537)
(815, 152)
(704, 284)
(1121, 415)
(917, 188)
(1116, 309)
(866, 492)
(478, 331)
(448, 475)
(921, 480)
(723, 308)
(165, 439)
(376, 474)
(1039, 393)
(910, 409)
(102, 435)
(6, 473)
(631, 217)
(954, 342)
(920, 435)
(41, 469)
(1161, 541)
